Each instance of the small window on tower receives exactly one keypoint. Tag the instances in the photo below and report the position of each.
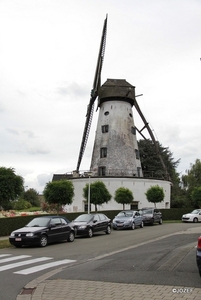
(137, 154)
(102, 171)
(105, 128)
(103, 152)
(133, 130)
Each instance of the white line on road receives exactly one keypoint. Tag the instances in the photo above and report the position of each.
(3, 255)
(13, 258)
(22, 263)
(45, 266)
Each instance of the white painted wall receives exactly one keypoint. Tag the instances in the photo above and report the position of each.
(138, 186)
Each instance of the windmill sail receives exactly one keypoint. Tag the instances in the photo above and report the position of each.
(94, 94)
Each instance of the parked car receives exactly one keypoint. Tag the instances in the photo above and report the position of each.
(88, 224)
(151, 215)
(42, 231)
(198, 255)
(194, 216)
(127, 219)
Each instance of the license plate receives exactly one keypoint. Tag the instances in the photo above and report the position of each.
(120, 225)
(18, 239)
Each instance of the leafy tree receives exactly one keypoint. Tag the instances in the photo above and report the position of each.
(21, 204)
(11, 186)
(32, 196)
(150, 161)
(191, 180)
(98, 193)
(59, 192)
(152, 167)
(196, 197)
(155, 194)
(123, 196)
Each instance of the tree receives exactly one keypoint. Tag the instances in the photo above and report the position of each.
(191, 180)
(21, 204)
(59, 192)
(196, 197)
(123, 196)
(31, 195)
(11, 186)
(151, 164)
(155, 194)
(152, 167)
(98, 193)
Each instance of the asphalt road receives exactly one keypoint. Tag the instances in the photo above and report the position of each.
(152, 255)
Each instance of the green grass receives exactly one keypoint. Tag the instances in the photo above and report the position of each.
(5, 243)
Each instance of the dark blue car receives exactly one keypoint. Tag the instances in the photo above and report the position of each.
(42, 231)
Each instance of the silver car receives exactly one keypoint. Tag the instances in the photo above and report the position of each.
(194, 216)
(127, 219)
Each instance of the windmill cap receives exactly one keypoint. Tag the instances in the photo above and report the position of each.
(117, 89)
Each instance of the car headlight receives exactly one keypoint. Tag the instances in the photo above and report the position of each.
(30, 234)
(12, 234)
(82, 227)
(127, 221)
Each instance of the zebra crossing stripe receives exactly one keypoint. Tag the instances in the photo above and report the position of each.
(3, 255)
(13, 258)
(45, 266)
(22, 263)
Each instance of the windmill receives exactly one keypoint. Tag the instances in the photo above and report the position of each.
(115, 151)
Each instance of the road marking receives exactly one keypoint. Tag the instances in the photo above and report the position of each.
(13, 258)
(3, 255)
(22, 263)
(45, 266)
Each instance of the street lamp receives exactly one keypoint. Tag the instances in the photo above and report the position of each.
(89, 195)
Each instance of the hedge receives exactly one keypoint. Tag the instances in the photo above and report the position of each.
(7, 225)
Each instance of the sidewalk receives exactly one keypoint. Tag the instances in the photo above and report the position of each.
(96, 290)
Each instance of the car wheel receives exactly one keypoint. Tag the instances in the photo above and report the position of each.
(133, 226)
(71, 237)
(142, 225)
(195, 220)
(152, 222)
(90, 233)
(43, 241)
(160, 221)
(108, 231)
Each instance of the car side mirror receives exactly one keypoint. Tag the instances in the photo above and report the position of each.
(94, 221)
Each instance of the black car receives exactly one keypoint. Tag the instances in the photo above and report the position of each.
(198, 255)
(88, 224)
(42, 231)
(151, 215)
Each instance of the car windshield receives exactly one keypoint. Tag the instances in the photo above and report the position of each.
(146, 211)
(38, 222)
(195, 212)
(124, 214)
(84, 218)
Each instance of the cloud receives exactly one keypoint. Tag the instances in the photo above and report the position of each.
(72, 89)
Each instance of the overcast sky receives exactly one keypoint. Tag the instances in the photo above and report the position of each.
(48, 55)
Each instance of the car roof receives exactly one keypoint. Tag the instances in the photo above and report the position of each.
(148, 208)
(50, 217)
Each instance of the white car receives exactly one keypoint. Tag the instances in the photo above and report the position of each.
(194, 216)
